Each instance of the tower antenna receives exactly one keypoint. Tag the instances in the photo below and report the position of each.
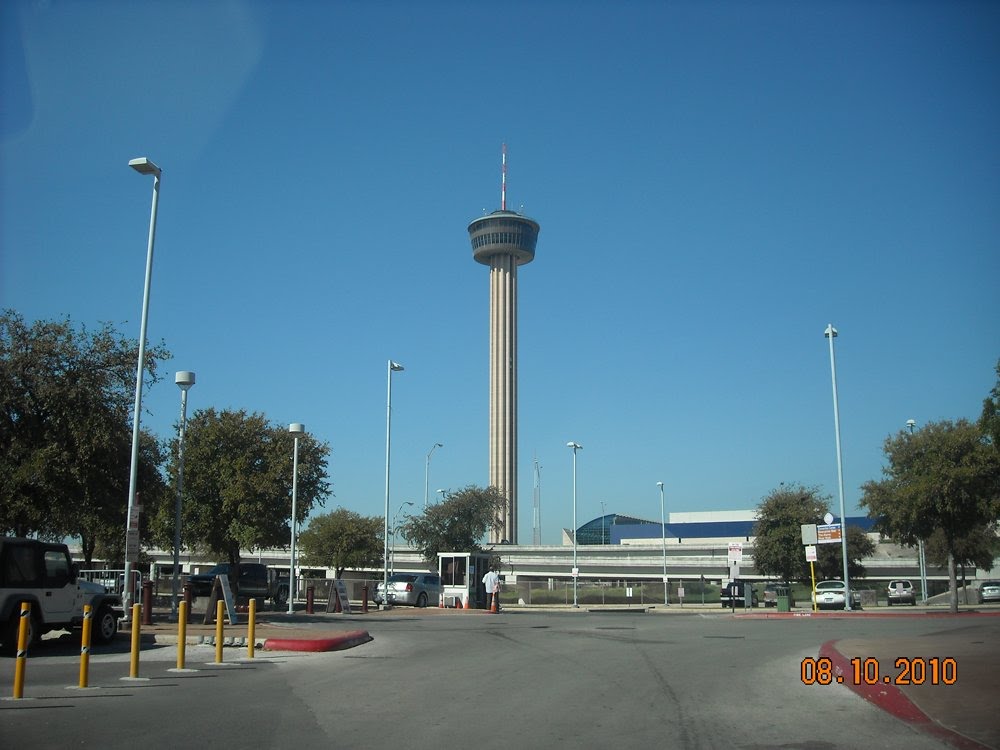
(503, 179)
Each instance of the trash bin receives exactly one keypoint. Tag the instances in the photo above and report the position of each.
(783, 596)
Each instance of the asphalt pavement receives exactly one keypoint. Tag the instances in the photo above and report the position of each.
(946, 684)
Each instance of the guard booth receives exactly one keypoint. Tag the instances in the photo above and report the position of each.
(462, 577)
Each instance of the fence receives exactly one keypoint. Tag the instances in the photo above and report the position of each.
(621, 592)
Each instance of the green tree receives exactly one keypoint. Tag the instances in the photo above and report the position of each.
(989, 422)
(778, 549)
(343, 539)
(942, 478)
(456, 524)
(238, 483)
(66, 399)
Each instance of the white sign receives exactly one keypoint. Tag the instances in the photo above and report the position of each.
(811, 553)
(809, 533)
(628, 592)
(828, 518)
(736, 552)
(680, 592)
(575, 572)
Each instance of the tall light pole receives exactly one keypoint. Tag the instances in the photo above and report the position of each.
(395, 520)
(427, 472)
(663, 538)
(141, 165)
(184, 380)
(391, 367)
(602, 521)
(576, 569)
(298, 430)
(831, 334)
(921, 560)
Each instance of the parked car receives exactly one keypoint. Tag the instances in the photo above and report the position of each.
(830, 595)
(255, 581)
(771, 593)
(989, 591)
(901, 592)
(418, 589)
(733, 594)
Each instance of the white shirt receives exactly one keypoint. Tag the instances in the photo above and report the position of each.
(491, 581)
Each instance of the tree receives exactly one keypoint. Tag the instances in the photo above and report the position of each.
(942, 478)
(343, 539)
(238, 483)
(989, 422)
(65, 431)
(456, 524)
(778, 549)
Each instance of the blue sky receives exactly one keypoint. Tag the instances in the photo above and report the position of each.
(715, 183)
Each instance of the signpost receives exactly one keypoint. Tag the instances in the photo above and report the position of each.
(811, 559)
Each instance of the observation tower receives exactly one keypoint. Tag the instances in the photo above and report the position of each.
(503, 240)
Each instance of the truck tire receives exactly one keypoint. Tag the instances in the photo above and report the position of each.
(105, 625)
(281, 597)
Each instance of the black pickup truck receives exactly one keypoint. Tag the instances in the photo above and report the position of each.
(255, 581)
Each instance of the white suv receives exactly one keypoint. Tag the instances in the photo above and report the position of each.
(901, 592)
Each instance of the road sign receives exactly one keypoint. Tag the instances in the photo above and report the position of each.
(809, 533)
(810, 553)
(736, 552)
(828, 533)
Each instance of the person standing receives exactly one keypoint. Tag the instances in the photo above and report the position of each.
(491, 582)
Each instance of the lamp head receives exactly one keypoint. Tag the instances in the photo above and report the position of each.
(660, 485)
(297, 429)
(830, 331)
(395, 366)
(574, 446)
(142, 165)
(184, 379)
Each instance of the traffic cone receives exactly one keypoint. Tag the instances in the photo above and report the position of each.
(465, 600)
(493, 605)
(441, 601)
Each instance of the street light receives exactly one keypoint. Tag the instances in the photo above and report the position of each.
(298, 430)
(184, 380)
(142, 166)
(831, 333)
(427, 472)
(576, 569)
(394, 525)
(602, 521)
(442, 492)
(922, 561)
(663, 537)
(391, 367)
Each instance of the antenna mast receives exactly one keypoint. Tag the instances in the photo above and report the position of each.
(503, 179)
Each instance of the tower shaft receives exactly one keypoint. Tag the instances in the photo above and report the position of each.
(503, 389)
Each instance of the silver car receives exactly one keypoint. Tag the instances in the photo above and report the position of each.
(830, 595)
(417, 589)
(901, 592)
(989, 591)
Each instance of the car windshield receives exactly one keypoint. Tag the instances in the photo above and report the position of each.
(402, 578)
(829, 585)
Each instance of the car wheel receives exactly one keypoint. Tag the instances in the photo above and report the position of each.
(106, 625)
(281, 597)
(422, 599)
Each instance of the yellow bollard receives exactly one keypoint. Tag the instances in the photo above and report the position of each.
(133, 670)
(182, 620)
(251, 628)
(88, 624)
(22, 649)
(218, 631)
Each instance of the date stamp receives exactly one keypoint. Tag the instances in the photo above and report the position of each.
(905, 670)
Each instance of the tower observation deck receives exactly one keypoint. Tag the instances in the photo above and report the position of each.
(503, 240)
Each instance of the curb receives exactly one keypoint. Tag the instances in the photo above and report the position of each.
(334, 643)
(892, 700)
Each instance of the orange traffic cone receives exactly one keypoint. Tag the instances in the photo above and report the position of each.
(441, 601)
(493, 605)
(465, 601)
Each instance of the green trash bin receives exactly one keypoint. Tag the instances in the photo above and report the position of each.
(783, 596)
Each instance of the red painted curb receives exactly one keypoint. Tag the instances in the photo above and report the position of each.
(334, 643)
(892, 700)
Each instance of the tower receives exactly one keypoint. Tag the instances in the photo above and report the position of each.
(503, 240)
